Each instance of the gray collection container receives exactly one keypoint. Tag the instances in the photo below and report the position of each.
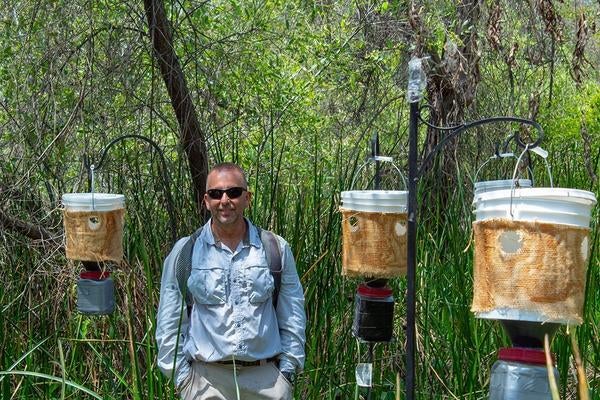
(520, 374)
(96, 296)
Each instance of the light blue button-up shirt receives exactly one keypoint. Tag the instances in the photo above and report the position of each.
(233, 315)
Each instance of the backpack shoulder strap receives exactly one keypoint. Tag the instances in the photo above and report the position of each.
(183, 268)
(273, 253)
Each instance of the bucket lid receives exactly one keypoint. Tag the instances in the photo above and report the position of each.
(549, 205)
(384, 201)
(502, 183)
(570, 195)
(375, 194)
(487, 186)
(524, 355)
(93, 201)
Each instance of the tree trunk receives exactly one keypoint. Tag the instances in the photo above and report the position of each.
(191, 135)
(451, 89)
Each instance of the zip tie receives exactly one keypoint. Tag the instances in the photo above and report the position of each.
(381, 158)
(544, 154)
(512, 185)
(541, 152)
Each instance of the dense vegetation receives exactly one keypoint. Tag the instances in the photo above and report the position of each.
(293, 91)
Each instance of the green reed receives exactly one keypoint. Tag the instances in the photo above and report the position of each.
(48, 350)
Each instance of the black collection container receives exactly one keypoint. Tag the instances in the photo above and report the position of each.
(373, 314)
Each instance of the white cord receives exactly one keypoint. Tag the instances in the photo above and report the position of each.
(92, 172)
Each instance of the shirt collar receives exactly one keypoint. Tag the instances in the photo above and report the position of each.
(251, 238)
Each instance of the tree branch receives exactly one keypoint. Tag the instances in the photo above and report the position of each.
(27, 229)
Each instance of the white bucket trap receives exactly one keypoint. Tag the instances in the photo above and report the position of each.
(93, 225)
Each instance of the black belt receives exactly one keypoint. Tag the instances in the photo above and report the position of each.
(247, 363)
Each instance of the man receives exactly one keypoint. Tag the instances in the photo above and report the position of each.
(235, 344)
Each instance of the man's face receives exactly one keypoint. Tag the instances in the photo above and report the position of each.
(226, 212)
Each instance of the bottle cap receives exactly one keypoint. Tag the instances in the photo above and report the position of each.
(94, 275)
(377, 292)
(524, 355)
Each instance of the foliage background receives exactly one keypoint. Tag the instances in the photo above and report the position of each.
(293, 91)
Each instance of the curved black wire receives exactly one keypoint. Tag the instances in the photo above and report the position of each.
(458, 129)
(507, 141)
(164, 174)
(504, 145)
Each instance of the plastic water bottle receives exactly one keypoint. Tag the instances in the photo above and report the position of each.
(417, 80)
(520, 374)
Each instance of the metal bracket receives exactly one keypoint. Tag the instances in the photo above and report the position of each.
(90, 166)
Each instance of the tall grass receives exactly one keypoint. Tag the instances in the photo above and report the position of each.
(48, 350)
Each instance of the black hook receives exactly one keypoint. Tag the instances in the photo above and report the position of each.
(375, 145)
(374, 154)
(458, 129)
(508, 140)
(88, 163)
(537, 141)
(497, 150)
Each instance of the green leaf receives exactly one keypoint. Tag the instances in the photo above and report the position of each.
(53, 378)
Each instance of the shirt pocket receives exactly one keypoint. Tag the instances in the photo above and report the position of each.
(208, 285)
(260, 282)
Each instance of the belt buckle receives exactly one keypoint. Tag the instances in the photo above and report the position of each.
(246, 363)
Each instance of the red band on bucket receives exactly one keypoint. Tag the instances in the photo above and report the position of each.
(524, 355)
(95, 275)
(368, 291)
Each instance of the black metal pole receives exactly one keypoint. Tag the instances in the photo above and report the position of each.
(411, 262)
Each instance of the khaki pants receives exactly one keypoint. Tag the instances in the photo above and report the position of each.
(211, 381)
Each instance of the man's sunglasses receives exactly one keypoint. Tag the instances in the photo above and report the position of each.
(232, 193)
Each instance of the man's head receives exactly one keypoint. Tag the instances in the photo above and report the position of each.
(227, 194)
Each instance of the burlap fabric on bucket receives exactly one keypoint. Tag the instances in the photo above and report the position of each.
(530, 266)
(374, 244)
(94, 235)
